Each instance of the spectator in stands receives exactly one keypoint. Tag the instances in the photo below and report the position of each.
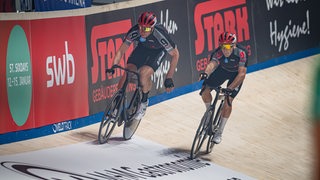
(7, 6)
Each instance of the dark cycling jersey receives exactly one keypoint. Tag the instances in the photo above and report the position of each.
(233, 62)
(158, 39)
(227, 68)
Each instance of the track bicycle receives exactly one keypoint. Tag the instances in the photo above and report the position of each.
(210, 122)
(121, 108)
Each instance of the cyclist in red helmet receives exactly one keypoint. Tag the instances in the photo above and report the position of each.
(152, 43)
(227, 62)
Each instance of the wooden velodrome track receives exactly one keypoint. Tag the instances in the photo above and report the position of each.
(267, 136)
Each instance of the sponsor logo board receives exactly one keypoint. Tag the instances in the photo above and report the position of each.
(119, 160)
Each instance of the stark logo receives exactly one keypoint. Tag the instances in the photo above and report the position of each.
(211, 19)
(104, 42)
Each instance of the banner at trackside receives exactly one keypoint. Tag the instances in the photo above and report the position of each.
(105, 32)
(53, 68)
(279, 33)
(16, 83)
(53, 5)
(137, 159)
(210, 19)
(59, 69)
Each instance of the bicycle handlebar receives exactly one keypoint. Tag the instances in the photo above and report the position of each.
(111, 70)
(225, 91)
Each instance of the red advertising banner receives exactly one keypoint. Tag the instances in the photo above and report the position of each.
(105, 33)
(59, 69)
(211, 18)
(44, 69)
(16, 102)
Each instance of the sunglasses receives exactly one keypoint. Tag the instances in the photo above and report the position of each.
(145, 28)
(226, 46)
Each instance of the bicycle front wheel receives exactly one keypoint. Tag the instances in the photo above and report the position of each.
(109, 118)
(201, 134)
(131, 124)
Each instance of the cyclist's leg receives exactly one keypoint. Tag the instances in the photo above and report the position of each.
(145, 77)
(225, 114)
(206, 95)
(134, 62)
(131, 67)
(226, 111)
(215, 79)
(152, 62)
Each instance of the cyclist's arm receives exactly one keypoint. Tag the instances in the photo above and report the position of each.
(239, 78)
(174, 61)
(123, 48)
(211, 67)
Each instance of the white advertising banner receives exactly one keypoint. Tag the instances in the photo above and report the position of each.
(118, 160)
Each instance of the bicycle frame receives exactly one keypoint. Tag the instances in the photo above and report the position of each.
(209, 122)
(119, 110)
(125, 97)
(219, 96)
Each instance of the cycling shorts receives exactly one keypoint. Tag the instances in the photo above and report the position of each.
(144, 56)
(218, 77)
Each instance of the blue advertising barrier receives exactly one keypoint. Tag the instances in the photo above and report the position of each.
(53, 5)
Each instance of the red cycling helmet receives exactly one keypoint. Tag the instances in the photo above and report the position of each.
(148, 19)
(227, 38)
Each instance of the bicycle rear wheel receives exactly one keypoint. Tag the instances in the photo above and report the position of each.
(131, 124)
(215, 126)
(110, 118)
(201, 134)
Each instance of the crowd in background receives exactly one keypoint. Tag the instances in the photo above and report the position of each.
(7, 6)
(16, 5)
(29, 5)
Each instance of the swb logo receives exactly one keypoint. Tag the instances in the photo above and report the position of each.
(60, 69)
